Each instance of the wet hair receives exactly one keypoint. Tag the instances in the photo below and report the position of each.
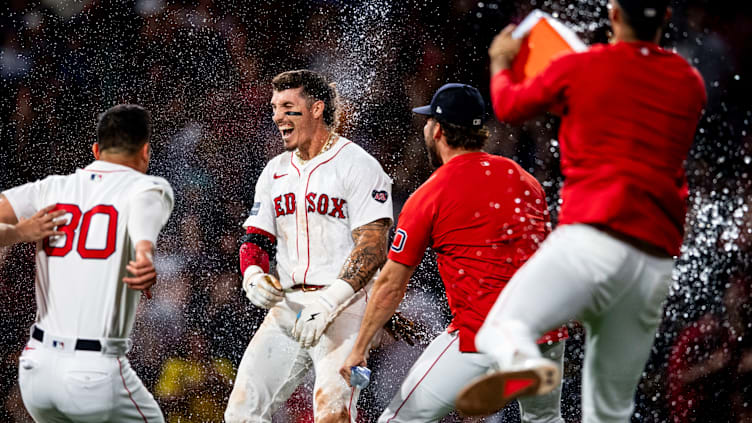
(459, 136)
(644, 27)
(315, 87)
(124, 128)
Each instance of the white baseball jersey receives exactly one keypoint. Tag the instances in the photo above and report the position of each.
(313, 208)
(79, 288)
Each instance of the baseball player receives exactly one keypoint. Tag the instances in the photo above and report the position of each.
(484, 216)
(91, 276)
(321, 211)
(630, 110)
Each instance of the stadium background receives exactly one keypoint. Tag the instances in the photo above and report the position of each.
(203, 68)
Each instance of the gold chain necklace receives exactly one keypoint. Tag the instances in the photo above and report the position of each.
(329, 142)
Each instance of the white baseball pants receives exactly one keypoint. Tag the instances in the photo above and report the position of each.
(430, 388)
(614, 289)
(274, 364)
(60, 384)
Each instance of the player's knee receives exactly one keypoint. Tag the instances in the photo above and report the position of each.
(330, 407)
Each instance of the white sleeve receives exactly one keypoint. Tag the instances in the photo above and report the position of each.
(25, 199)
(262, 214)
(370, 193)
(149, 210)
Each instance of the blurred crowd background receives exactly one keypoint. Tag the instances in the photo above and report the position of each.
(203, 68)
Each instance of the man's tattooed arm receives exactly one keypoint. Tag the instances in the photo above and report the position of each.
(368, 255)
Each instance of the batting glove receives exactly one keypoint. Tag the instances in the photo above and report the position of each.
(263, 289)
(314, 318)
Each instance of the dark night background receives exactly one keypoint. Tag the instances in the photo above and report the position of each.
(203, 68)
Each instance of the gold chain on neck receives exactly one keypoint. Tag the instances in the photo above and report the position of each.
(329, 142)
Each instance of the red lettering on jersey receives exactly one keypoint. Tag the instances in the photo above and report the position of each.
(69, 229)
(109, 247)
(290, 202)
(400, 237)
(311, 201)
(337, 204)
(323, 204)
(70, 232)
(278, 206)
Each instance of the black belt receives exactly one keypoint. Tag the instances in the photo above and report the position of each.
(81, 344)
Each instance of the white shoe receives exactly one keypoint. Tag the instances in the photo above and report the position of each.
(489, 393)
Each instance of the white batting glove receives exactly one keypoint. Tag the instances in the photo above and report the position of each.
(314, 318)
(263, 289)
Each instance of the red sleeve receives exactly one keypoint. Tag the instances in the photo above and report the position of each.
(413, 233)
(514, 103)
(252, 254)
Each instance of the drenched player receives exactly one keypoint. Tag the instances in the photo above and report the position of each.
(484, 216)
(630, 110)
(90, 278)
(321, 211)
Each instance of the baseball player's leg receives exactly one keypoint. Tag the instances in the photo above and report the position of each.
(619, 340)
(567, 276)
(333, 400)
(428, 392)
(36, 373)
(272, 367)
(131, 401)
(545, 408)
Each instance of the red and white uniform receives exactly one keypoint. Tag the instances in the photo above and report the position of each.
(629, 113)
(80, 294)
(311, 209)
(484, 216)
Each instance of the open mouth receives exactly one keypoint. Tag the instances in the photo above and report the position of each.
(286, 132)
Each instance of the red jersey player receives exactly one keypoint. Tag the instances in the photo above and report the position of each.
(484, 216)
(630, 110)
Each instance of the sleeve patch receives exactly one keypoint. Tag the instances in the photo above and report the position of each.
(400, 237)
(380, 196)
(255, 209)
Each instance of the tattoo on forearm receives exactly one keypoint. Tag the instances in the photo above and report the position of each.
(368, 255)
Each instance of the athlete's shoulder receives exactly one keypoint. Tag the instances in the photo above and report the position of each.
(354, 155)
(279, 162)
(142, 182)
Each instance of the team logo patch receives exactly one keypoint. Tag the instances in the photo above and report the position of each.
(400, 237)
(255, 209)
(380, 196)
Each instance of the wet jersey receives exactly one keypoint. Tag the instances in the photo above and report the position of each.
(79, 287)
(629, 116)
(484, 216)
(313, 208)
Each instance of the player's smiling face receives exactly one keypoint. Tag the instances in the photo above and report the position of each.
(293, 118)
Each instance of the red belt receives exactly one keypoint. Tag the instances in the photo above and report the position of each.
(305, 287)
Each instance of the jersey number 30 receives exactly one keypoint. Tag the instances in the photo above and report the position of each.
(70, 232)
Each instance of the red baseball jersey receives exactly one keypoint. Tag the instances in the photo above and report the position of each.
(629, 114)
(484, 216)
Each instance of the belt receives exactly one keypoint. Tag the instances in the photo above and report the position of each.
(305, 287)
(81, 344)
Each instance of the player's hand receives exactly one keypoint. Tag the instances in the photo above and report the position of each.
(504, 49)
(143, 274)
(312, 322)
(314, 318)
(263, 289)
(40, 226)
(354, 359)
